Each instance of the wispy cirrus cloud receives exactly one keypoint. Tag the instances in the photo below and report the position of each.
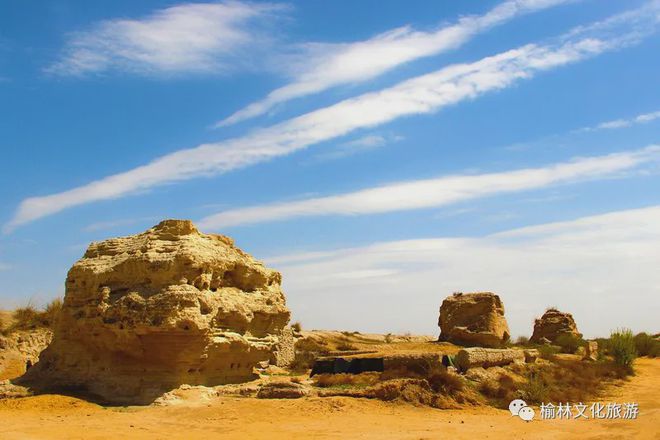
(423, 94)
(360, 145)
(324, 66)
(191, 37)
(438, 192)
(624, 123)
(580, 265)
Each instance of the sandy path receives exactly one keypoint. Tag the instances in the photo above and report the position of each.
(57, 417)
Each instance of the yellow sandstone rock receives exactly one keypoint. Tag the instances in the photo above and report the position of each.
(552, 325)
(487, 357)
(144, 314)
(473, 319)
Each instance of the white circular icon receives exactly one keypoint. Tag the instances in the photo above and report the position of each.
(526, 413)
(516, 405)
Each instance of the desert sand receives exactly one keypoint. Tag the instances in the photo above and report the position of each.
(53, 416)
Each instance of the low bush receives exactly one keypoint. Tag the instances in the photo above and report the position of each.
(535, 389)
(296, 327)
(438, 377)
(548, 351)
(30, 318)
(569, 343)
(503, 390)
(622, 348)
(566, 380)
(603, 346)
(646, 345)
(52, 312)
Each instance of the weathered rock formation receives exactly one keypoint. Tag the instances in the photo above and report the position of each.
(473, 319)
(487, 357)
(284, 351)
(146, 313)
(552, 325)
(591, 351)
(20, 350)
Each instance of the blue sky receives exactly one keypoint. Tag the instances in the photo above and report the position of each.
(380, 154)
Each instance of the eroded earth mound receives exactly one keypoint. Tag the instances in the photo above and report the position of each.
(473, 319)
(144, 314)
(552, 325)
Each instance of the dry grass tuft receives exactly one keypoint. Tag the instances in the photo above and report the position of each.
(570, 380)
(346, 380)
(561, 380)
(30, 318)
(345, 344)
(504, 389)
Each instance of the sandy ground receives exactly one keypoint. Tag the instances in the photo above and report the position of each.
(59, 417)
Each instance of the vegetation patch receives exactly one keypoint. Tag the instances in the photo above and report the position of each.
(30, 318)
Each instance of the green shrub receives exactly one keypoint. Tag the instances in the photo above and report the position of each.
(655, 351)
(603, 346)
(548, 351)
(622, 348)
(646, 345)
(535, 389)
(569, 343)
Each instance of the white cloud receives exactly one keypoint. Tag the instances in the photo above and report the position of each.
(356, 146)
(4, 267)
(624, 123)
(323, 66)
(437, 192)
(602, 268)
(191, 37)
(423, 94)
